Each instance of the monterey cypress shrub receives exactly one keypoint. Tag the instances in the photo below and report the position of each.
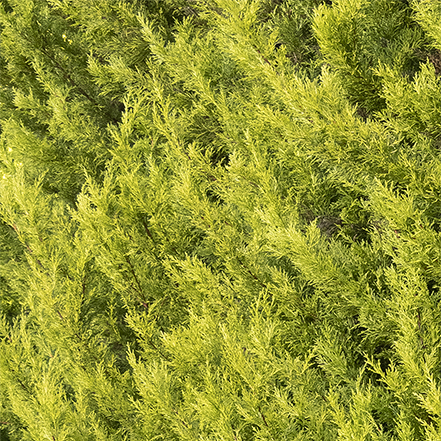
(220, 220)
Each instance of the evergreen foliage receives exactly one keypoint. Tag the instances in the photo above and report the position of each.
(220, 220)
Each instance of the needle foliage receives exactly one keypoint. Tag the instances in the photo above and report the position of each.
(220, 220)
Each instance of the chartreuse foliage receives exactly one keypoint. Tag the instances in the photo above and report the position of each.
(220, 220)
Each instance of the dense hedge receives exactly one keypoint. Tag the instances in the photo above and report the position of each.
(220, 220)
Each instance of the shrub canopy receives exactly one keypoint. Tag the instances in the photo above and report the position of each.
(220, 220)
